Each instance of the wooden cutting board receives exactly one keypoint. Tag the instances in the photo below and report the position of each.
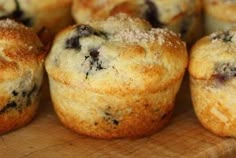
(183, 137)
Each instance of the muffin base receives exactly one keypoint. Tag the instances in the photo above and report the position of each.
(143, 128)
(13, 119)
(215, 109)
(112, 116)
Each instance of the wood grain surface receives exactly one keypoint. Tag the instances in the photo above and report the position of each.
(183, 137)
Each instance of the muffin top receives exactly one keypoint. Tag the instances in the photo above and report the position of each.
(32, 13)
(157, 12)
(214, 56)
(20, 49)
(117, 55)
(222, 9)
(171, 10)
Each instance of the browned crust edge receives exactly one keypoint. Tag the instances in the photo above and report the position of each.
(147, 127)
(13, 120)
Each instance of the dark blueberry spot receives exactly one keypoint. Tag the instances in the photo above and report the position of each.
(95, 123)
(152, 15)
(219, 77)
(99, 66)
(81, 32)
(86, 57)
(94, 54)
(18, 15)
(84, 30)
(24, 93)
(100, 34)
(10, 105)
(94, 61)
(115, 122)
(87, 73)
(107, 113)
(110, 118)
(15, 93)
(225, 36)
(73, 43)
(225, 71)
(20, 100)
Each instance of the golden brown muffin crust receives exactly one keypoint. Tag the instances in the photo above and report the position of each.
(21, 68)
(115, 78)
(221, 9)
(135, 50)
(19, 47)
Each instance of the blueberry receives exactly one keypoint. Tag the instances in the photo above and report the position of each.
(24, 93)
(99, 66)
(110, 118)
(18, 15)
(115, 122)
(86, 57)
(225, 36)
(225, 71)
(84, 30)
(94, 61)
(15, 93)
(10, 105)
(81, 32)
(19, 102)
(152, 14)
(94, 54)
(73, 43)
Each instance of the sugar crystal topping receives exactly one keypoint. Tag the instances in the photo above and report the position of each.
(224, 41)
(123, 18)
(136, 36)
(8, 23)
(223, 36)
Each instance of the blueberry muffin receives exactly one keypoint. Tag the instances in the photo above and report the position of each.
(219, 15)
(213, 83)
(21, 69)
(51, 14)
(115, 78)
(181, 16)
